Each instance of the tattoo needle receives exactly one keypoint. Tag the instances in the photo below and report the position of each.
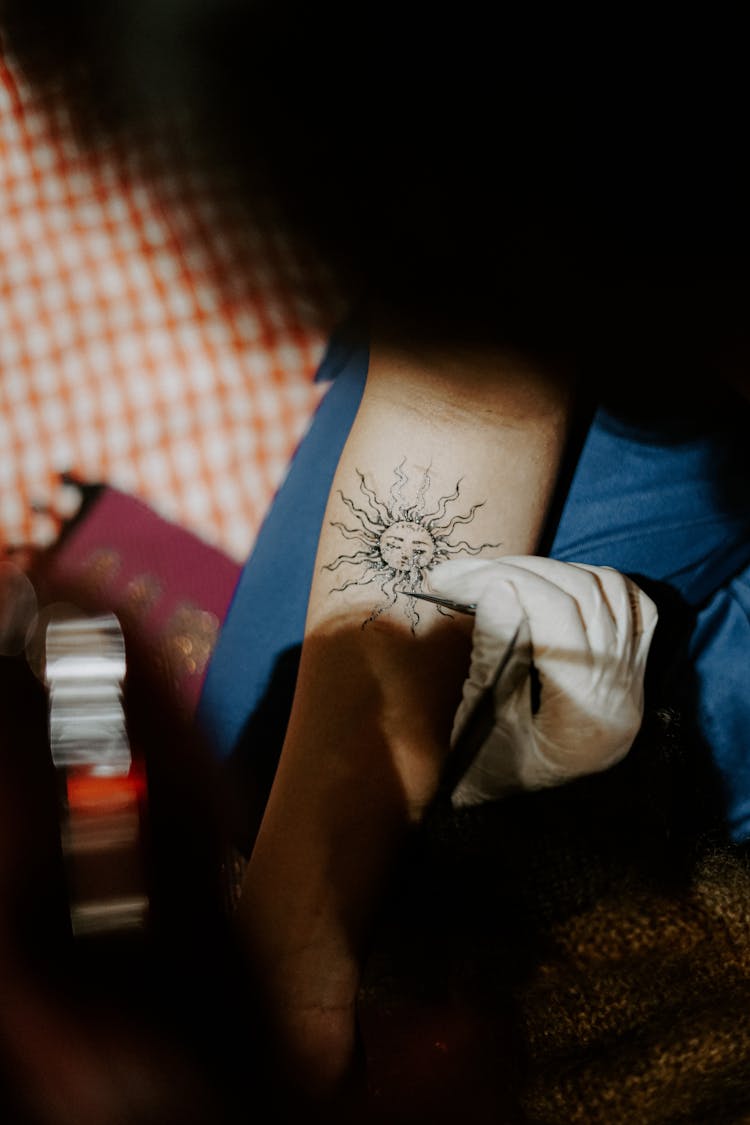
(458, 607)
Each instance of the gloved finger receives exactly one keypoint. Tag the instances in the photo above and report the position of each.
(599, 590)
(634, 613)
(588, 587)
(470, 792)
(461, 580)
(485, 779)
(557, 619)
(646, 617)
(494, 769)
(559, 642)
(613, 617)
(498, 611)
(553, 613)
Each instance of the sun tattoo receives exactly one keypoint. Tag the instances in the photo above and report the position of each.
(401, 540)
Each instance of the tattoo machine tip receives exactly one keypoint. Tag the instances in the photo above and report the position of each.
(446, 603)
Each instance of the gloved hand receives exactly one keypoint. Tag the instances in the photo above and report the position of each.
(589, 631)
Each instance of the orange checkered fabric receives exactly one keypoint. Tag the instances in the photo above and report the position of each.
(148, 338)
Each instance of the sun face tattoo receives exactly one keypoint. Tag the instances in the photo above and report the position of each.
(401, 540)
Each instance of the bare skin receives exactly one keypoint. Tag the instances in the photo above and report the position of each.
(377, 689)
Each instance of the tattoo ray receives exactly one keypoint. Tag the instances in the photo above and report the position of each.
(443, 532)
(413, 613)
(424, 484)
(362, 581)
(397, 487)
(452, 548)
(399, 542)
(361, 513)
(386, 605)
(360, 556)
(362, 534)
(381, 512)
(443, 503)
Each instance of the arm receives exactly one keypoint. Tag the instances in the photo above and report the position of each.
(449, 454)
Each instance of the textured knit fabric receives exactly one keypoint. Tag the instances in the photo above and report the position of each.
(151, 336)
(575, 955)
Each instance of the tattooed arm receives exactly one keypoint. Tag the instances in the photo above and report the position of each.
(450, 455)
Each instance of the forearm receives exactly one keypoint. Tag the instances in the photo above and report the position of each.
(448, 456)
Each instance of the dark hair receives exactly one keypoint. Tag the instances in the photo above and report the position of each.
(498, 178)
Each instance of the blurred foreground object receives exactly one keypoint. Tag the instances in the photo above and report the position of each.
(18, 606)
(102, 788)
(122, 1001)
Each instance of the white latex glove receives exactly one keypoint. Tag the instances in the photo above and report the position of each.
(590, 630)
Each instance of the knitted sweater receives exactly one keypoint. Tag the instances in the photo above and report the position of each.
(580, 955)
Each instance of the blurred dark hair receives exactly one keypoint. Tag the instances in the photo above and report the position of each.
(463, 172)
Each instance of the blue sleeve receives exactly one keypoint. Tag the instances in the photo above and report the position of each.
(267, 615)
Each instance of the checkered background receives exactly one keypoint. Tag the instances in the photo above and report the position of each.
(148, 339)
